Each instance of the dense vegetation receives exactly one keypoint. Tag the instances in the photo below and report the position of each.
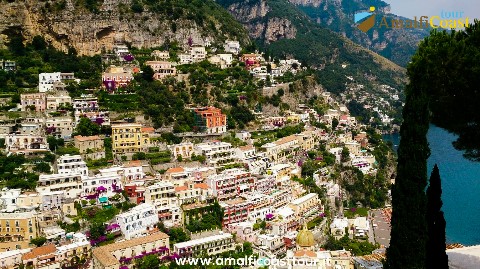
(449, 63)
(199, 221)
(442, 85)
(357, 248)
(39, 57)
(13, 176)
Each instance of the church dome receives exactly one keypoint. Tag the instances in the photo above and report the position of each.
(305, 238)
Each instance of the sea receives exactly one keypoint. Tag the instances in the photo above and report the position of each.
(460, 185)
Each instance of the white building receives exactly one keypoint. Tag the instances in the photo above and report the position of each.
(361, 226)
(210, 245)
(46, 80)
(70, 184)
(137, 220)
(72, 164)
(85, 103)
(243, 230)
(104, 186)
(217, 153)
(57, 99)
(232, 47)
(183, 149)
(338, 227)
(12, 258)
(221, 60)
(52, 200)
(198, 53)
(259, 72)
(162, 195)
(270, 245)
(185, 58)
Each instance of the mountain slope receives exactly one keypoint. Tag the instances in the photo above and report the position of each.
(93, 26)
(284, 30)
(398, 45)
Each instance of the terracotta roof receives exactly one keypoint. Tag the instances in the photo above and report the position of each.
(302, 253)
(148, 130)
(175, 170)
(245, 148)
(87, 138)
(104, 254)
(201, 186)
(133, 163)
(39, 251)
(285, 140)
(181, 188)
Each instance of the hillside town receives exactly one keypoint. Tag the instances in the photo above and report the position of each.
(92, 190)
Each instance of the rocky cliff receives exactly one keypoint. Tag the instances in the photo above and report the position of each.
(65, 24)
(253, 14)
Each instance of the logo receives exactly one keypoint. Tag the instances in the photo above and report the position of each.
(446, 20)
(366, 19)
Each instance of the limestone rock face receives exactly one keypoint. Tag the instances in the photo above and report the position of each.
(91, 33)
(254, 16)
(313, 3)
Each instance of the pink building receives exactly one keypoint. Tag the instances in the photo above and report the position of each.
(30, 100)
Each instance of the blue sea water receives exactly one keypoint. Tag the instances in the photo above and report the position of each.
(460, 184)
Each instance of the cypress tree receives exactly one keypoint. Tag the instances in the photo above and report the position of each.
(409, 229)
(436, 248)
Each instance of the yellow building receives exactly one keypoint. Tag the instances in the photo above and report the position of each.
(121, 254)
(130, 137)
(306, 207)
(16, 230)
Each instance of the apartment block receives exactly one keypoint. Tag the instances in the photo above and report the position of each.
(61, 127)
(58, 99)
(16, 230)
(162, 69)
(26, 144)
(72, 164)
(130, 138)
(210, 120)
(232, 46)
(210, 245)
(236, 210)
(33, 101)
(137, 220)
(70, 184)
(121, 254)
(230, 183)
(46, 81)
(217, 153)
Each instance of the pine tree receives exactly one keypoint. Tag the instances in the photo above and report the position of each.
(436, 255)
